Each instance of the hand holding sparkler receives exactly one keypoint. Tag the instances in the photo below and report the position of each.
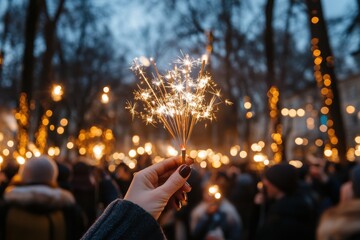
(177, 99)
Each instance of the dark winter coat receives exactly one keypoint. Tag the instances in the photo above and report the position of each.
(124, 220)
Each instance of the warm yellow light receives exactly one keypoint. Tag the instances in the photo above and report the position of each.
(300, 112)
(105, 98)
(259, 157)
(318, 60)
(243, 154)
(203, 164)
(28, 154)
(193, 154)
(324, 110)
(140, 150)
(217, 195)
(106, 89)
(52, 127)
(48, 113)
(249, 115)
(213, 189)
(328, 152)
(37, 153)
(148, 147)
(82, 151)
(299, 141)
(247, 105)
(202, 154)
(98, 150)
(323, 128)
(225, 160)
(51, 151)
(132, 153)
(350, 109)
(284, 111)
(296, 163)
(5, 152)
(132, 165)
(1, 159)
(70, 145)
(233, 151)
(319, 142)
(314, 20)
(57, 92)
(20, 160)
(45, 121)
(328, 101)
(292, 113)
(316, 52)
(357, 139)
(261, 144)
(216, 164)
(10, 143)
(172, 151)
(60, 130)
(1, 136)
(64, 122)
(136, 139)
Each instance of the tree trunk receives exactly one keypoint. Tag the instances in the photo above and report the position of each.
(323, 72)
(273, 87)
(27, 75)
(50, 43)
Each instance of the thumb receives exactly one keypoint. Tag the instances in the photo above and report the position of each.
(176, 180)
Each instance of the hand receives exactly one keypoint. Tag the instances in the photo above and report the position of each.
(153, 187)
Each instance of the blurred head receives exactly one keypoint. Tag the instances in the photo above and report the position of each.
(341, 222)
(355, 179)
(280, 179)
(316, 166)
(41, 170)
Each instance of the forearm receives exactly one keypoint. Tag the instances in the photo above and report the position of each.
(124, 220)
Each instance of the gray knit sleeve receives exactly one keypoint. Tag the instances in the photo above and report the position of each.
(124, 220)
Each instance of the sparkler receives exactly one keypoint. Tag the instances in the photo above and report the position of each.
(178, 99)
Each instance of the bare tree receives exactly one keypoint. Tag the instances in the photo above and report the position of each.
(326, 78)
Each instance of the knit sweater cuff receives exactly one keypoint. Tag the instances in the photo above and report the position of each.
(124, 220)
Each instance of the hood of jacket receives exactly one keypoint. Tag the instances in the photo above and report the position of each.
(39, 195)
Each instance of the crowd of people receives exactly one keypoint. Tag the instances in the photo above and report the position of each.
(46, 199)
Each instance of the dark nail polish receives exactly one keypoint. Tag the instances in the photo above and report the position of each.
(184, 170)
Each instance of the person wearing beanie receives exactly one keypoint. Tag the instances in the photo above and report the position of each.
(289, 215)
(36, 208)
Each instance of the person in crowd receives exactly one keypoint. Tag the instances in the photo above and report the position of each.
(243, 191)
(289, 215)
(351, 189)
(108, 189)
(85, 189)
(341, 222)
(151, 190)
(215, 217)
(35, 207)
(123, 177)
(326, 186)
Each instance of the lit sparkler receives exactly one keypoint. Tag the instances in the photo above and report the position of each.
(178, 99)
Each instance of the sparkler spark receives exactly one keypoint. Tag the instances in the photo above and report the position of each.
(177, 99)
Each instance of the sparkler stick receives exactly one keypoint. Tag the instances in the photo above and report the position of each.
(177, 99)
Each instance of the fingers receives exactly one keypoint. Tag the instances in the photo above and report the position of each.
(178, 200)
(168, 164)
(176, 181)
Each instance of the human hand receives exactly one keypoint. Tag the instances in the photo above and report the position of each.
(153, 187)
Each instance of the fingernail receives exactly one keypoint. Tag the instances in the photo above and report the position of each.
(188, 185)
(185, 196)
(178, 203)
(184, 170)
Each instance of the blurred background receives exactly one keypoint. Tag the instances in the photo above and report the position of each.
(290, 68)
